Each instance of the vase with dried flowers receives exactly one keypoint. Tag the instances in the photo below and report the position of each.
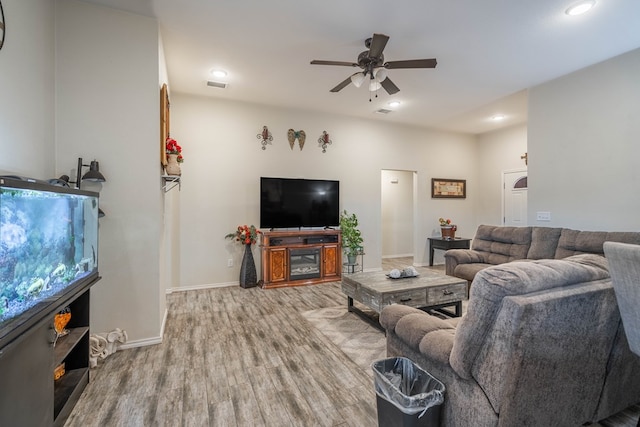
(246, 236)
(448, 230)
(174, 157)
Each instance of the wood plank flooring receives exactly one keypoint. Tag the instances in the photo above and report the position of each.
(238, 357)
(233, 357)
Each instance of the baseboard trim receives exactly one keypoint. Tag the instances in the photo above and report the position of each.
(199, 287)
(147, 341)
(141, 343)
(164, 322)
(397, 256)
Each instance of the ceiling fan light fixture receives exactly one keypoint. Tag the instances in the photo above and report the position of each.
(374, 85)
(580, 7)
(380, 74)
(357, 79)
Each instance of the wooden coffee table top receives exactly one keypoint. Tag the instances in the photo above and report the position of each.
(428, 289)
(378, 281)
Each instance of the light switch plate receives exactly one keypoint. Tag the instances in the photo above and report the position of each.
(543, 216)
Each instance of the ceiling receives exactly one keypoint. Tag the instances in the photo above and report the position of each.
(489, 52)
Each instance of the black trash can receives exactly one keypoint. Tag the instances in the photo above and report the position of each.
(407, 395)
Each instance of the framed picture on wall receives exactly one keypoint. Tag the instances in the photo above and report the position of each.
(445, 188)
(164, 123)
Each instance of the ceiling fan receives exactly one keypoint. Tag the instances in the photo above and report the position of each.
(372, 63)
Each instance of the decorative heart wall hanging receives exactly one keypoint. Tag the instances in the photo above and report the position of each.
(300, 135)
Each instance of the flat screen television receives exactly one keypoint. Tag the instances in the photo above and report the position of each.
(293, 202)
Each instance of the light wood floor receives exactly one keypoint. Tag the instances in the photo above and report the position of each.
(236, 357)
(233, 357)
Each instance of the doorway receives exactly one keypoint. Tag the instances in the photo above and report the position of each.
(514, 198)
(398, 214)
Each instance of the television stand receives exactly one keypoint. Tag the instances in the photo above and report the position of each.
(297, 258)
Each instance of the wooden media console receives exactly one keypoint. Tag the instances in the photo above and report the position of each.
(295, 258)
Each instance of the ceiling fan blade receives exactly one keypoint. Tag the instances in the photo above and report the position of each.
(344, 63)
(378, 43)
(389, 86)
(342, 85)
(412, 63)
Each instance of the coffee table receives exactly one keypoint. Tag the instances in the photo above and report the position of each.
(430, 290)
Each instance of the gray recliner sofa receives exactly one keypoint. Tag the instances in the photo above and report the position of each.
(493, 245)
(541, 343)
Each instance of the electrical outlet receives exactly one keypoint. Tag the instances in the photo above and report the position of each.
(230, 262)
(543, 216)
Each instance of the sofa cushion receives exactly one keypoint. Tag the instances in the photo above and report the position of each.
(469, 271)
(544, 242)
(412, 328)
(492, 284)
(573, 242)
(502, 244)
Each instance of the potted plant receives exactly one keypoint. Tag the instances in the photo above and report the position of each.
(351, 236)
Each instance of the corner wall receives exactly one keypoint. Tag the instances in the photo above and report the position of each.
(107, 108)
(498, 151)
(584, 130)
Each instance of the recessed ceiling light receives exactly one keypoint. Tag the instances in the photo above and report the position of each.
(218, 73)
(497, 117)
(580, 7)
(394, 104)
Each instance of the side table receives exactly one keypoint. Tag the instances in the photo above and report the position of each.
(446, 244)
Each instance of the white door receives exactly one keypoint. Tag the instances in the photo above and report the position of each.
(514, 212)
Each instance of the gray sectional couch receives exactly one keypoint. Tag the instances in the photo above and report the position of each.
(541, 343)
(493, 245)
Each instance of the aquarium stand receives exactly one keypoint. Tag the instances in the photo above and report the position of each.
(29, 395)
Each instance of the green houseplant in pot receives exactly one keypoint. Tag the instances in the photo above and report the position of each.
(351, 236)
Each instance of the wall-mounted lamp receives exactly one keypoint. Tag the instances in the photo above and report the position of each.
(93, 174)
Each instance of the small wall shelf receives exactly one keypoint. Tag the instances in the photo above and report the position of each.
(170, 181)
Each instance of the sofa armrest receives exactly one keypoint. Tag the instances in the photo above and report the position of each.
(392, 313)
(454, 257)
(419, 330)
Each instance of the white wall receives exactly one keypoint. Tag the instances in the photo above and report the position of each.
(26, 90)
(498, 151)
(224, 161)
(397, 213)
(584, 130)
(107, 108)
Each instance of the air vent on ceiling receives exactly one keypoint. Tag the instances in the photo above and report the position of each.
(217, 84)
(383, 111)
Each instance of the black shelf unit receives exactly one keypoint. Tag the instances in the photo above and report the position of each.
(29, 394)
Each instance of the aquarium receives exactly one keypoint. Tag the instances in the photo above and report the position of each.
(48, 247)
